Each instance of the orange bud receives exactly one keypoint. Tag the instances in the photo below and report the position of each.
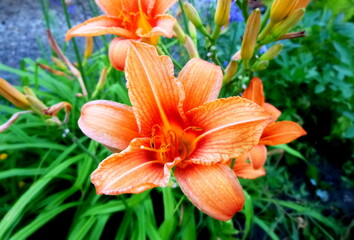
(13, 95)
(191, 49)
(230, 71)
(250, 36)
(301, 4)
(281, 9)
(101, 81)
(118, 50)
(89, 47)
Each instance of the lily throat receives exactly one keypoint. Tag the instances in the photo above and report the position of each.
(169, 144)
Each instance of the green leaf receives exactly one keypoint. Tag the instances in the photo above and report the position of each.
(248, 211)
(14, 214)
(290, 150)
(266, 228)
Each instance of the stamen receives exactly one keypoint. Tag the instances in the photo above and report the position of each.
(161, 150)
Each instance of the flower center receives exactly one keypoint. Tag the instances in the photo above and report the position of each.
(172, 143)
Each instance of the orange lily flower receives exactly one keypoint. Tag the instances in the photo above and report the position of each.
(174, 123)
(274, 134)
(141, 20)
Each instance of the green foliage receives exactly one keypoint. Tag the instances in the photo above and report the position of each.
(45, 180)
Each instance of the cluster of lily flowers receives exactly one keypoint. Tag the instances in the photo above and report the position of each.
(177, 125)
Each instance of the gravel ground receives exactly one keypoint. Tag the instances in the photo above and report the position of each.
(22, 29)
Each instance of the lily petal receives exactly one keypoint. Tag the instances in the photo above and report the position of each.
(110, 123)
(99, 26)
(153, 90)
(258, 156)
(118, 50)
(131, 171)
(231, 127)
(163, 26)
(110, 7)
(245, 170)
(201, 75)
(281, 132)
(254, 91)
(161, 6)
(213, 189)
(272, 110)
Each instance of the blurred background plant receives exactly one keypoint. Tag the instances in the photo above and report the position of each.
(307, 192)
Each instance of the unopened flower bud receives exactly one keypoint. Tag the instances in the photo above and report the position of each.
(101, 81)
(222, 12)
(230, 71)
(181, 36)
(272, 52)
(284, 26)
(250, 35)
(118, 50)
(13, 95)
(59, 63)
(50, 122)
(192, 31)
(281, 9)
(192, 15)
(29, 92)
(190, 47)
(89, 47)
(260, 65)
(36, 104)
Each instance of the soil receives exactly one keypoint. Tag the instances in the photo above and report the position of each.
(23, 29)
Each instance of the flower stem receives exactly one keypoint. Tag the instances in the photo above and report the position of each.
(76, 49)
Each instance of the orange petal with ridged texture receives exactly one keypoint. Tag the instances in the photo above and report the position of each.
(258, 156)
(117, 7)
(231, 127)
(281, 132)
(99, 26)
(118, 51)
(213, 189)
(131, 171)
(153, 90)
(245, 170)
(163, 26)
(110, 123)
(161, 6)
(110, 7)
(254, 91)
(201, 81)
(275, 112)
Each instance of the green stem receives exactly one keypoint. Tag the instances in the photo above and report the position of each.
(185, 20)
(44, 5)
(161, 49)
(243, 5)
(78, 143)
(76, 49)
(266, 31)
(216, 33)
(265, 19)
